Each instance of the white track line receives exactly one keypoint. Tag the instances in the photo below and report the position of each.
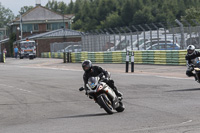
(15, 88)
(162, 127)
(64, 69)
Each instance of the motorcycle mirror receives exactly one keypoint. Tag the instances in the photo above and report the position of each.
(81, 89)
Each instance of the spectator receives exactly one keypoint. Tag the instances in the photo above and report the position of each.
(16, 51)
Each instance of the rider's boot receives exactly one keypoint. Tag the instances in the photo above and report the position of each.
(196, 79)
(118, 93)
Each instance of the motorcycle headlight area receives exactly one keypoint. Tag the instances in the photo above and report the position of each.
(92, 85)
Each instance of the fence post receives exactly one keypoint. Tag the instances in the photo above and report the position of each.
(165, 35)
(132, 61)
(127, 61)
(144, 36)
(64, 57)
(119, 34)
(137, 36)
(104, 38)
(107, 33)
(198, 29)
(172, 27)
(125, 37)
(150, 33)
(114, 37)
(68, 57)
(157, 33)
(182, 34)
(131, 37)
(190, 32)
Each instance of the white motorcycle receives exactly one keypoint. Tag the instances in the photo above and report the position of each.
(103, 95)
(196, 66)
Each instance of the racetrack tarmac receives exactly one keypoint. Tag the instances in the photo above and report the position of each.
(41, 96)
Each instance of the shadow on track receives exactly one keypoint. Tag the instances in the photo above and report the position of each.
(79, 116)
(192, 89)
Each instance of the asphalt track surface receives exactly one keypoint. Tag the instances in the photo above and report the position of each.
(41, 96)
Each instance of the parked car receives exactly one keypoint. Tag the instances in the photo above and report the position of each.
(163, 46)
(71, 48)
(147, 44)
(135, 44)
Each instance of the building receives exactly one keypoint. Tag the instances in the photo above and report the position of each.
(40, 20)
(44, 26)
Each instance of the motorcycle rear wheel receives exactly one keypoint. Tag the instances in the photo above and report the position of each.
(121, 107)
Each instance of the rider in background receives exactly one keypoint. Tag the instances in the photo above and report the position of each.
(191, 54)
(93, 71)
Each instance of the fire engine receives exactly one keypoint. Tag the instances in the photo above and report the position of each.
(27, 49)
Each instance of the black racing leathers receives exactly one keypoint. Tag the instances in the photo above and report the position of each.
(97, 71)
(189, 59)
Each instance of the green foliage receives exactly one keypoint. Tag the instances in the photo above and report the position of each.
(95, 14)
(191, 14)
(6, 16)
(112, 20)
(25, 9)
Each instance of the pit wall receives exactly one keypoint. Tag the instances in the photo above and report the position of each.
(162, 57)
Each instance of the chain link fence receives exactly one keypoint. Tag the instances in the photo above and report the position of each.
(160, 36)
(154, 36)
(66, 47)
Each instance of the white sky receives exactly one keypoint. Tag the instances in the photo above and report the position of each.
(15, 5)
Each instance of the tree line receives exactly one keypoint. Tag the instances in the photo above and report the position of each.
(100, 14)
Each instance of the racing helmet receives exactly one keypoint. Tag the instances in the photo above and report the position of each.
(190, 49)
(87, 65)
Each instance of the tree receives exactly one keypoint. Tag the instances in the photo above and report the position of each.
(91, 14)
(192, 13)
(52, 5)
(6, 15)
(70, 7)
(112, 20)
(143, 16)
(62, 7)
(25, 9)
(127, 12)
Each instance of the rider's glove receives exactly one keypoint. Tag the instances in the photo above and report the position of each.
(105, 80)
(100, 75)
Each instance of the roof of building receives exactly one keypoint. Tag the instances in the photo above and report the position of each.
(40, 13)
(51, 34)
(55, 33)
(4, 40)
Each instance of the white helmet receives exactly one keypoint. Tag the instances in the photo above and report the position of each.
(190, 49)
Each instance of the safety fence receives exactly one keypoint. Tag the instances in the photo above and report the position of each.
(164, 57)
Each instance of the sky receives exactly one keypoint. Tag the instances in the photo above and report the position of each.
(15, 5)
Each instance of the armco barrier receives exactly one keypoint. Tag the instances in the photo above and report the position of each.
(165, 57)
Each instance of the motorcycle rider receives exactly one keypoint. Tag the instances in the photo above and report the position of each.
(97, 71)
(191, 54)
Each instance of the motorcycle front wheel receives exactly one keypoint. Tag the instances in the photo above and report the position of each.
(105, 103)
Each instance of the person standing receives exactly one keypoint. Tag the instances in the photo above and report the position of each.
(16, 51)
(5, 51)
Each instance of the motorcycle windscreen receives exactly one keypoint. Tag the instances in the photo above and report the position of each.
(92, 82)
